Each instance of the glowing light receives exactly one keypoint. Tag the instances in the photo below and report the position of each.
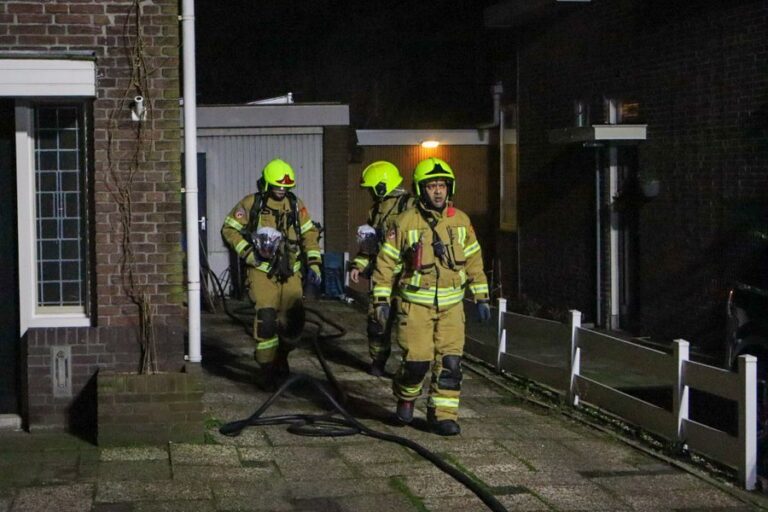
(429, 143)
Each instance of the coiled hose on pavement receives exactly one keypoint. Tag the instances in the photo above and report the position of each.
(328, 425)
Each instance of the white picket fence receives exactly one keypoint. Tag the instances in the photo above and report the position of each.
(564, 375)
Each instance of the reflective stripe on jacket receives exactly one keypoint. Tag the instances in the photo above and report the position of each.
(438, 282)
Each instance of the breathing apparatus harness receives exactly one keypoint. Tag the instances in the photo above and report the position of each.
(370, 238)
(280, 259)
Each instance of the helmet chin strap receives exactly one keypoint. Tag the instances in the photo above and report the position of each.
(427, 202)
(273, 192)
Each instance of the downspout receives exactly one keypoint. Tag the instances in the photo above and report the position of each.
(190, 180)
(498, 121)
(613, 179)
(598, 242)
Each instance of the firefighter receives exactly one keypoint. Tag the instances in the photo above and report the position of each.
(273, 233)
(440, 257)
(389, 199)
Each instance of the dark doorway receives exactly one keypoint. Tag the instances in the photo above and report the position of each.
(9, 270)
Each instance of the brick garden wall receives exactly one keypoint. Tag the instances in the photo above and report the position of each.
(105, 27)
(149, 409)
(698, 71)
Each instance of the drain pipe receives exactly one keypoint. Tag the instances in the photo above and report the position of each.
(190, 180)
(613, 180)
(498, 121)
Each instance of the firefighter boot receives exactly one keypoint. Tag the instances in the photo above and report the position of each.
(282, 370)
(442, 427)
(404, 411)
(267, 380)
(378, 368)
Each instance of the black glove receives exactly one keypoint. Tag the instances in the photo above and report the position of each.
(381, 313)
(483, 311)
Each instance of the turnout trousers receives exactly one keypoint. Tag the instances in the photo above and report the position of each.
(379, 344)
(279, 314)
(430, 339)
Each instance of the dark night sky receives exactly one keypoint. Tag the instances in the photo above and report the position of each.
(396, 63)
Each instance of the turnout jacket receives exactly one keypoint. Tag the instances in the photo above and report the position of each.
(434, 281)
(380, 217)
(288, 216)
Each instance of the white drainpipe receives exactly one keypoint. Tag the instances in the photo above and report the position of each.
(190, 180)
(613, 180)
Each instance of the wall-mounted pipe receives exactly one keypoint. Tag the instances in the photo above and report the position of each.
(190, 181)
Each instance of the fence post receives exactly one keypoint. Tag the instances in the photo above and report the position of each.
(748, 421)
(574, 359)
(501, 333)
(680, 389)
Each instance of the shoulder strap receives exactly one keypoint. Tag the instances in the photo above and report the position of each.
(402, 203)
(254, 214)
(294, 202)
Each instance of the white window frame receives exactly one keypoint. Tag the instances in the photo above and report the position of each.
(27, 80)
(31, 315)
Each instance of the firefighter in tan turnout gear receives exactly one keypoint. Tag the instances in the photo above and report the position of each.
(273, 232)
(440, 257)
(383, 180)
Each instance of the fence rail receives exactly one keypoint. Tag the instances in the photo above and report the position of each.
(514, 350)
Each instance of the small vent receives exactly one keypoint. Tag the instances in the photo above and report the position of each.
(61, 370)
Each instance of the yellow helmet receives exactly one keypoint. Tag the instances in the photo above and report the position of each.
(431, 168)
(382, 177)
(278, 173)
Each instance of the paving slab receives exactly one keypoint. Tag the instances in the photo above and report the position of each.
(128, 491)
(204, 455)
(530, 458)
(61, 498)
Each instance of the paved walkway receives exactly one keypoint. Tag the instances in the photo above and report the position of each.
(529, 458)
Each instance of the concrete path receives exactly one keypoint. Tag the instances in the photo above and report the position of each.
(530, 458)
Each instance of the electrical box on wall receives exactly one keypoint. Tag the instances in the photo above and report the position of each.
(61, 370)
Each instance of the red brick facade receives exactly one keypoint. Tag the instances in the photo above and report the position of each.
(698, 72)
(108, 28)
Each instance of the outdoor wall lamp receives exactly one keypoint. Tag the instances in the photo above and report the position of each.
(429, 144)
(138, 112)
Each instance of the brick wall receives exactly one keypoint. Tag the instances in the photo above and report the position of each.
(113, 348)
(335, 192)
(149, 409)
(698, 71)
(107, 28)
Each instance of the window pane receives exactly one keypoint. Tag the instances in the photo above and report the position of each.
(60, 225)
(47, 140)
(51, 271)
(71, 293)
(68, 160)
(70, 271)
(48, 230)
(48, 160)
(72, 205)
(46, 118)
(70, 181)
(49, 250)
(70, 250)
(50, 294)
(68, 139)
(68, 117)
(45, 205)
